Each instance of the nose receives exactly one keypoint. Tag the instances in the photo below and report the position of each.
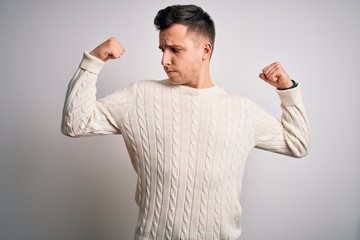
(166, 58)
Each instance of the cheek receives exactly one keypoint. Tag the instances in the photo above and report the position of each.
(194, 59)
(198, 57)
(188, 62)
(195, 63)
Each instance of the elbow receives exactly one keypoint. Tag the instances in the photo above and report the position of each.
(68, 133)
(299, 145)
(302, 150)
(68, 130)
(301, 154)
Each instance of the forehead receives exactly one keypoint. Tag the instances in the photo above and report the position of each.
(176, 34)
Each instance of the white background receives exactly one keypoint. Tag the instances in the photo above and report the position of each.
(57, 188)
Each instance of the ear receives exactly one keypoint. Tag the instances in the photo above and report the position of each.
(207, 50)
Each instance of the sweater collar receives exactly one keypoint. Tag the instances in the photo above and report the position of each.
(214, 90)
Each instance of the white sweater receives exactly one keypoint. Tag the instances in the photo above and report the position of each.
(188, 147)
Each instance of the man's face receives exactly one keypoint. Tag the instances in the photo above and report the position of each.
(182, 54)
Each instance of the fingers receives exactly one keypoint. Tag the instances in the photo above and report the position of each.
(115, 49)
(263, 77)
(272, 71)
(110, 49)
(275, 75)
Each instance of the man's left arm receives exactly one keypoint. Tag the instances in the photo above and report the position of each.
(290, 135)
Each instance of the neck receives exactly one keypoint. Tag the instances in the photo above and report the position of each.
(203, 80)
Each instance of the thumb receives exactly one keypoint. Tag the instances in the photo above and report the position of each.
(263, 77)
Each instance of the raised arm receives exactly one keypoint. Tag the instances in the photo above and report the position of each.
(83, 114)
(290, 135)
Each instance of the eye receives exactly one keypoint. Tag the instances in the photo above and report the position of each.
(175, 50)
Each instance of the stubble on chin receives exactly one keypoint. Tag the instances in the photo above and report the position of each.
(176, 81)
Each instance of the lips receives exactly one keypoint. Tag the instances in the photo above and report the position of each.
(169, 70)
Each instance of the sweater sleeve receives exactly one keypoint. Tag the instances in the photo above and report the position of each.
(83, 114)
(290, 135)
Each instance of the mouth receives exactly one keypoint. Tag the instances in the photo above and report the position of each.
(170, 72)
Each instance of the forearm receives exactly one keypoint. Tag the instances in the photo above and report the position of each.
(80, 99)
(290, 135)
(294, 121)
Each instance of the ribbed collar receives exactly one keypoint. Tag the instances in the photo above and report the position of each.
(214, 90)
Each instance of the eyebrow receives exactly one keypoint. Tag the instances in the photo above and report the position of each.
(170, 45)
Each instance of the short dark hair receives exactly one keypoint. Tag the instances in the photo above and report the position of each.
(192, 16)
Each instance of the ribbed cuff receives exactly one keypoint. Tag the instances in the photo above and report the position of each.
(91, 63)
(290, 96)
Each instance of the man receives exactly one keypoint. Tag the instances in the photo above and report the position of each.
(187, 138)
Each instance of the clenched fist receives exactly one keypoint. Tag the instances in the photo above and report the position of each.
(275, 75)
(110, 49)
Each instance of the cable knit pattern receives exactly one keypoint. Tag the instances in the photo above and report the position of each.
(140, 109)
(219, 188)
(160, 158)
(241, 140)
(188, 147)
(194, 131)
(176, 126)
(211, 141)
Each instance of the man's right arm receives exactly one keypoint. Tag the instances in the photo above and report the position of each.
(83, 115)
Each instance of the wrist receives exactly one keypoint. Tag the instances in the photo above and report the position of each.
(98, 56)
(290, 86)
(91, 63)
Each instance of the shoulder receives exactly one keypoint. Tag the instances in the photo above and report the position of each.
(235, 97)
(151, 83)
